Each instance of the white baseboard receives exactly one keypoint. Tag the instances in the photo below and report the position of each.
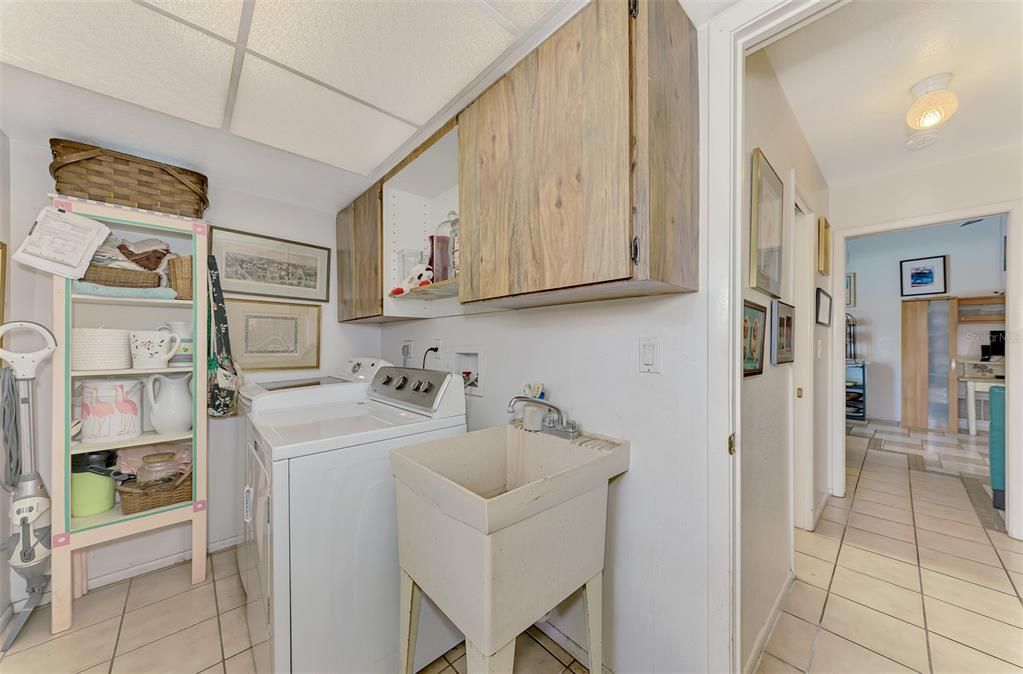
(96, 582)
(765, 631)
(819, 510)
(5, 617)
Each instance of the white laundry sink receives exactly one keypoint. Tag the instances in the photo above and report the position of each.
(501, 525)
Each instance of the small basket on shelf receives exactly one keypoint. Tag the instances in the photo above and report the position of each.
(179, 274)
(121, 278)
(139, 499)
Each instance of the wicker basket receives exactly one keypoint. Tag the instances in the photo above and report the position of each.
(179, 271)
(122, 278)
(136, 500)
(100, 349)
(91, 172)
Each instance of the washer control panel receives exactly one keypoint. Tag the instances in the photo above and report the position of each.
(406, 386)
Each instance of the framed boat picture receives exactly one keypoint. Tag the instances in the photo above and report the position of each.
(273, 335)
(252, 264)
(766, 223)
(924, 276)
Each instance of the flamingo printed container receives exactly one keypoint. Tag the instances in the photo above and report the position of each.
(111, 409)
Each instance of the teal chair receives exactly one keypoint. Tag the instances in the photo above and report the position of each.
(997, 448)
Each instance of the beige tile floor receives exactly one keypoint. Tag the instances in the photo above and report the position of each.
(160, 622)
(900, 576)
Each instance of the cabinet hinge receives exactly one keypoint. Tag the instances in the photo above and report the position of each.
(634, 8)
(731, 444)
(634, 250)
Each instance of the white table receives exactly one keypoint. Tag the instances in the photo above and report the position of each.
(973, 386)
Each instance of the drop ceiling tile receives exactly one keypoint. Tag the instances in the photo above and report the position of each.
(218, 16)
(123, 50)
(277, 107)
(523, 13)
(406, 57)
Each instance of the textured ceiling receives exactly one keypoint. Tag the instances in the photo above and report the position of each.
(345, 83)
(847, 77)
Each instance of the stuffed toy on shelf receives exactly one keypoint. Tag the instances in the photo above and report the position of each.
(422, 275)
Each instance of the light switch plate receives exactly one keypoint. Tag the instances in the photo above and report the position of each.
(650, 355)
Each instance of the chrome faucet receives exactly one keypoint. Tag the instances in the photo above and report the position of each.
(561, 426)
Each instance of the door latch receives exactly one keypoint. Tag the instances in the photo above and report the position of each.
(731, 444)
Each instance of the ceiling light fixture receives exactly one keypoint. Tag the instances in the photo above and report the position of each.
(933, 103)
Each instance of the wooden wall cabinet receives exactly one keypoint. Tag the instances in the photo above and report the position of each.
(359, 240)
(578, 169)
(576, 176)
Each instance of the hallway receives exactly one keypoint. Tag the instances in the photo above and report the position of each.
(901, 575)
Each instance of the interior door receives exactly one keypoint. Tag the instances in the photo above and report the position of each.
(544, 165)
(359, 251)
(930, 386)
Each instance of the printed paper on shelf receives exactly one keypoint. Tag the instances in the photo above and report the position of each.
(61, 243)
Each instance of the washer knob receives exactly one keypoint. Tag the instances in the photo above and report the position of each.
(416, 384)
(356, 366)
(399, 384)
(426, 387)
(387, 380)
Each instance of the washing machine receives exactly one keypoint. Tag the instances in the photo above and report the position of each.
(258, 396)
(322, 591)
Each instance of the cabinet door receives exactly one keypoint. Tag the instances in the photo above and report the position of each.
(359, 229)
(544, 165)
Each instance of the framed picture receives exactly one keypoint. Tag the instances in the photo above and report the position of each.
(754, 323)
(823, 307)
(924, 276)
(783, 337)
(274, 335)
(850, 289)
(264, 265)
(823, 246)
(766, 220)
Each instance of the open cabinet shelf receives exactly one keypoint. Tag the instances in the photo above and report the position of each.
(435, 291)
(72, 536)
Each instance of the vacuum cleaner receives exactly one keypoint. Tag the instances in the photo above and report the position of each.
(28, 548)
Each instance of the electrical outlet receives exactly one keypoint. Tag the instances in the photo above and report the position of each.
(437, 359)
(407, 352)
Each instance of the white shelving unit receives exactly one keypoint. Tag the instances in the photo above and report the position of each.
(71, 536)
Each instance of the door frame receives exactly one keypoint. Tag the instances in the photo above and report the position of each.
(804, 271)
(729, 37)
(1014, 345)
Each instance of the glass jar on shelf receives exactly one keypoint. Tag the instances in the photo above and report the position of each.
(441, 248)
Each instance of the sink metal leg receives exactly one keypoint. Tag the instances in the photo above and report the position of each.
(594, 621)
(411, 598)
(501, 662)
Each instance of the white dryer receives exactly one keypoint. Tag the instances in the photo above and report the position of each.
(321, 533)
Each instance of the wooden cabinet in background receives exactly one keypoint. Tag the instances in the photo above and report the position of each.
(579, 168)
(359, 236)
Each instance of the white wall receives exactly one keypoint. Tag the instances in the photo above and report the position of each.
(975, 268)
(31, 299)
(766, 491)
(979, 180)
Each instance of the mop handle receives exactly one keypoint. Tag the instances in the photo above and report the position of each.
(24, 364)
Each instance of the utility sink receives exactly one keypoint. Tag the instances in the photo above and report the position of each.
(501, 525)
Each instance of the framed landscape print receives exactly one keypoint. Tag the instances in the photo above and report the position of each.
(754, 324)
(823, 307)
(924, 276)
(264, 265)
(823, 246)
(766, 221)
(274, 335)
(783, 337)
(850, 290)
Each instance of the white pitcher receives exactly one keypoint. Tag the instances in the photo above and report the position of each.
(170, 403)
